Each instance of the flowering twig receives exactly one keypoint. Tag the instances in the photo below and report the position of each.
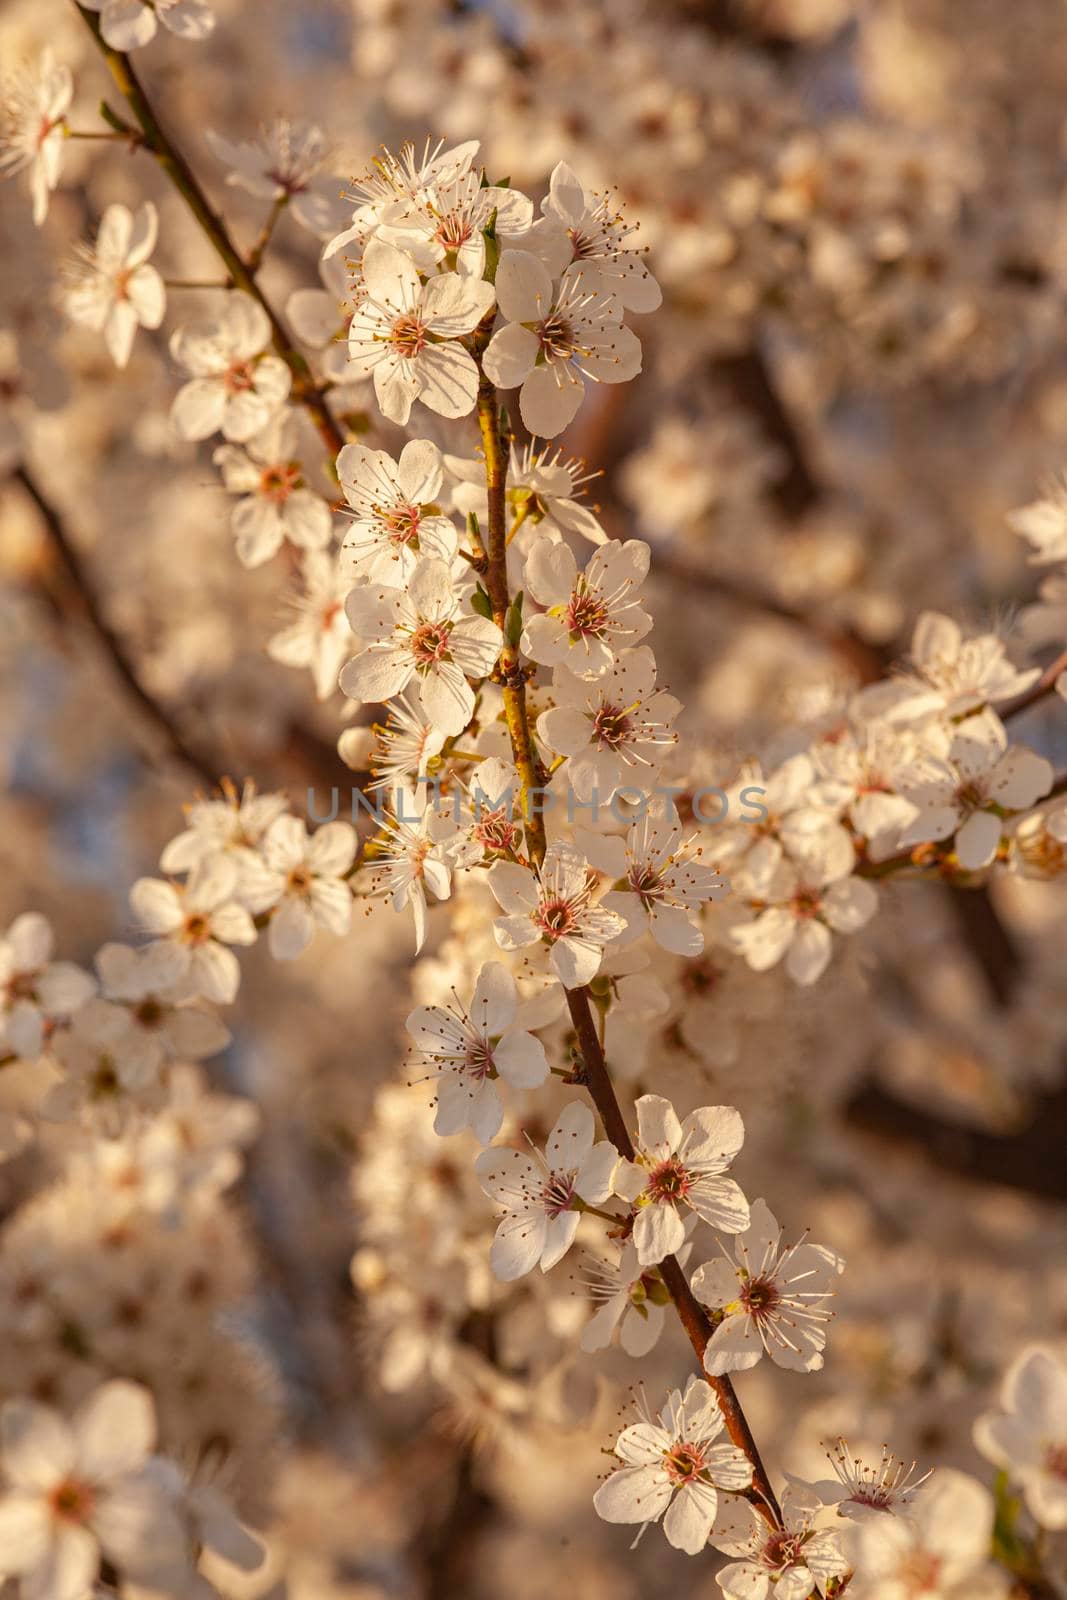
(242, 274)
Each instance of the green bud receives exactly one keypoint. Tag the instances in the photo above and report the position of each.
(481, 603)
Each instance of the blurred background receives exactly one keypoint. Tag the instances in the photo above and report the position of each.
(856, 211)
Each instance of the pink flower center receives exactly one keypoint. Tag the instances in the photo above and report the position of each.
(196, 929)
(495, 832)
(557, 337)
(408, 336)
(71, 1501)
(453, 232)
(556, 918)
(610, 727)
(277, 483)
(646, 883)
(586, 616)
(478, 1061)
(429, 643)
(402, 524)
(239, 378)
(783, 1549)
(558, 1192)
(759, 1296)
(805, 904)
(683, 1462)
(669, 1181)
(919, 1573)
(1055, 1461)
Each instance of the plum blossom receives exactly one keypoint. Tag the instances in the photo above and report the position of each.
(234, 821)
(397, 752)
(275, 503)
(129, 24)
(1043, 524)
(662, 882)
(235, 388)
(404, 334)
(473, 1049)
(786, 1562)
(35, 991)
(797, 910)
(34, 101)
(302, 883)
(555, 338)
(609, 726)
(631, 1298)
(554, 907)
(542, 1194)
(448, 223)
(860, 1490)
(420, 635)
(673, 1468)
(412, 856)
(395, 514)
(320, 317)
(771, 1300)
(198, 921)
(590, 615)
(281, 165)
(112, 287)
(142, 981)
(939, 1551)
(578, 228)
(966, 790)
(1027, 1437)
(950, 675)
(681, 1164)
(320, 638)
(86, 1488)
(543, 486)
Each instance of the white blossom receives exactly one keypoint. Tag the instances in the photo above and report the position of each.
(34, 101)
(1027, 1437)
(554, 907)
(540, 1192)
(579, 228)
(610, 726)
(938, 1551)
(396, 517)
(275, 503)
(405, 334)
(673, 1468)
(129, 24)
(112, 287)
(786, 1562)
(555, 338)
(303, 883)
(235, 388)
(473, 1048)
(35, 991)
(281, 165)
(412, 856)
(770, 1299)
(681, 1164)
(199, 921)
(663, 882)
(320, 638)
(590, 615)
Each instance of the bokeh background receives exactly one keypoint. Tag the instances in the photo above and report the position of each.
(857, 214)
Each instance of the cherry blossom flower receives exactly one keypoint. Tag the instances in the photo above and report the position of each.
(34, 102)
(800, 906)
(111, 287)
(579, 228)
(129, 24)
(404, 334)
(966, 791)
(303, 883)
(951, 675)
(858, 1490)
(35, 991)
(939, 1551)
(554, 339)
(473, 1049)
(83, 1489)
(199, 921)
(320, 638)
(590, 615)
(554, 907)
(234, 822)
(491, 821)
(275, 503)
(280, 165)
(1043, 524)
(396, 517)
(673, 1468)
(419, 634)
(632, 1298)
(856, 774)
(662, 883)
(1027, 1438)
(541, 1193)
(771, 1300)
(411, 857)
(397, 752)
(610, 725)
(143, 982)
(410, 177)
(235, 387)
(790, 1562)
(448, 223)
(543, 485)
(108, 1065)
(681, 1164)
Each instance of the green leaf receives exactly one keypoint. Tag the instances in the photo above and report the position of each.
(481, 603)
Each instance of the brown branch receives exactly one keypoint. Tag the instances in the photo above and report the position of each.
(83, 596)
(691, 1313)
(748, 377)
